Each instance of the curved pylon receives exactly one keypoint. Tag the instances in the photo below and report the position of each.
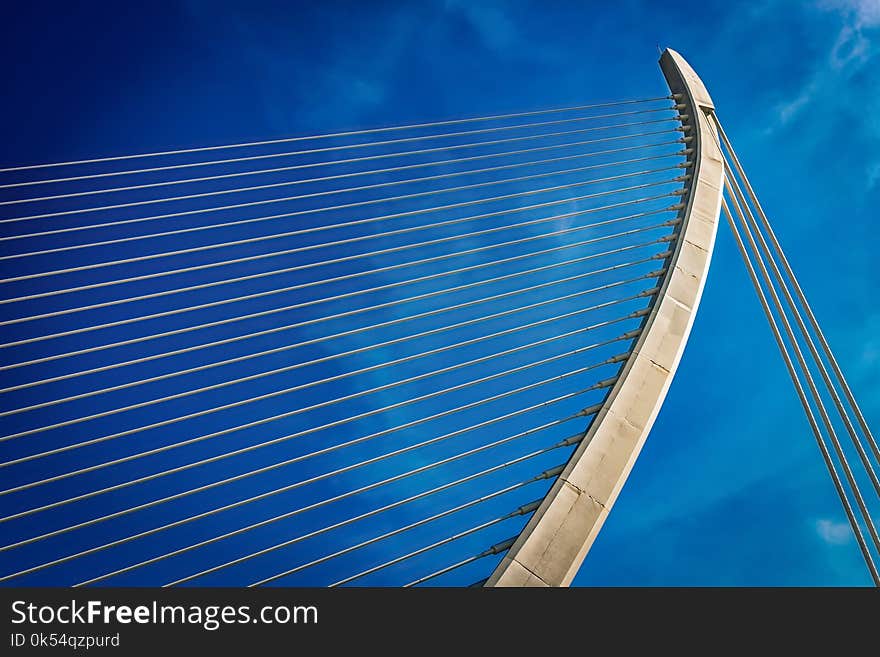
(552, 546)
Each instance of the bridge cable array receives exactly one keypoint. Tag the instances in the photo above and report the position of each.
(784, 303)
(375, 383)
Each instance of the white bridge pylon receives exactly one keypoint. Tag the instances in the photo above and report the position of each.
(553, 544)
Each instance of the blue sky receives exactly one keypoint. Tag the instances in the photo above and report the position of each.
(730, 488)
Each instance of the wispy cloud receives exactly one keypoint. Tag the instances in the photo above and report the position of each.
(873, 175)
(843, 80)
(493, 25)
(786, 111)
(833, 533)
(852, 49)
(870, 355)
(870, 342)
(865, 12)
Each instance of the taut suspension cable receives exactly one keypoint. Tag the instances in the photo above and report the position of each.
(763, 255)
(394, 362)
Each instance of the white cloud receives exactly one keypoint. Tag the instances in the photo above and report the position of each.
(873, 175)
(870, 355)
(850, 48)
(833, 533)
(785, 112)
(853, 48)
(492, 24)
(865, 12)
(868, 338)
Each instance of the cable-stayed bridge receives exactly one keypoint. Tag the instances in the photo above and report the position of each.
(410, 355)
